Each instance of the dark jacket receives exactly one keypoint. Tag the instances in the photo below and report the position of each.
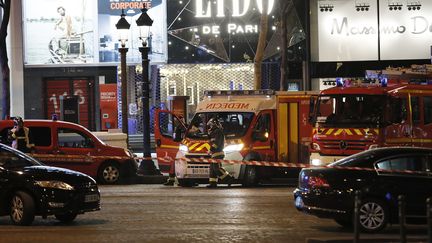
(217, 141)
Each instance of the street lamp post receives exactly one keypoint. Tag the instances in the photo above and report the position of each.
(123, 29)
(144, 23)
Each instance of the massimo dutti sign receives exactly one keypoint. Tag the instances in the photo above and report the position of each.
(346, 34)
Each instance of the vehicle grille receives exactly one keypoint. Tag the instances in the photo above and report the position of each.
(86, 187)
(344, 145)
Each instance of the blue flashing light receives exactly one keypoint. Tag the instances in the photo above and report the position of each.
(384, 82)
(339, 82)
(388, 196)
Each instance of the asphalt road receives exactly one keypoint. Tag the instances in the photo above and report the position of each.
(155, 213)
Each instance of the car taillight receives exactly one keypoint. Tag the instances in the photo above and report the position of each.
(316, 181)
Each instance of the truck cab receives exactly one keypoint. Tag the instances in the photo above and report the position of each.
(250, 124)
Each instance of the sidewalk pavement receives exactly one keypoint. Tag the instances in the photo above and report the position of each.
(368, 239)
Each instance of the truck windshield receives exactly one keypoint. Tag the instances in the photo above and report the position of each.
(234, 124)
(350, 110)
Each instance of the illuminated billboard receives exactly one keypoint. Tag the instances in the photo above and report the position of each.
(83, 31)
(222, 30)
(349, 30)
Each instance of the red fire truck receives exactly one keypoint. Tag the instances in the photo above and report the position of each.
(259, 125)
(356, 116)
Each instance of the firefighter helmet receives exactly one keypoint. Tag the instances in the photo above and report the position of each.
(212, 124)
(18, 121)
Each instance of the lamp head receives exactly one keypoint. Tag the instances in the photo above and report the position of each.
(123, 29)
(144, 22)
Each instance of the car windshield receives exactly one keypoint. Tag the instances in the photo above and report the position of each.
(362, 159)
(13, 159)
(235, 124)
(350, 110)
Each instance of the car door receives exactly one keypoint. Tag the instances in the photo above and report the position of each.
(263, 136)
(74, 149)
(408, 175)
(168, 131)
(3, 185)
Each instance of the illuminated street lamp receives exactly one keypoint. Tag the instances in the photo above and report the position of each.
(144, 23)
(123, 31)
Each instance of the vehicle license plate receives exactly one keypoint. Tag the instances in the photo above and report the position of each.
(202, 171)
(91, 198)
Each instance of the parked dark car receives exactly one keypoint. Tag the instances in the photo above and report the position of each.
(381, 175)
(29, 188)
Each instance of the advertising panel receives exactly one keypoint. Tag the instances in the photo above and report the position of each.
(83, 31)
(345, 34)
(58, 32)
(353, 30)
(109, 13)
(406, 33)
(224, 31)
(108, 105)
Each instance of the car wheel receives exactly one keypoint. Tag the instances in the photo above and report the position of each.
(22, 208)
(109, 173)
(66, 217)
(250, 177)
(346, 223)
(373, 215)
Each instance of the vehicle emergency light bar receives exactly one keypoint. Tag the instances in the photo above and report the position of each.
(340, 82)
(420, 81)
(239, 92)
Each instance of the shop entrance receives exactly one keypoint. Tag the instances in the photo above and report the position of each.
(58, 89)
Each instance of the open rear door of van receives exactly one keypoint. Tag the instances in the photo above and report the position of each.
(168, 131)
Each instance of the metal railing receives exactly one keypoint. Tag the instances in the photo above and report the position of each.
(401, 214)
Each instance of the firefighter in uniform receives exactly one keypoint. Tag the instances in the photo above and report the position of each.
(216, 135)
(19, 135)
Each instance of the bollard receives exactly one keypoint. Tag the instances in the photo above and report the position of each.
(429, 217)
(357, 202)
(401, 204)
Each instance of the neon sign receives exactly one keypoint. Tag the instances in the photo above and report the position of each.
(239, 8)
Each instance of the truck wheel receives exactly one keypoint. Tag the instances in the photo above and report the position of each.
(109, 173)
(66, 217)
(22, 208)
(250, 177)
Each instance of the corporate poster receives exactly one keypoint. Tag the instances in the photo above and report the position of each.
(83, 31)
(59, 32)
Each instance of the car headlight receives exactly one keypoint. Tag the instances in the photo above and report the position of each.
(55, 184)
(129, 153)
(183, 148)
(316, 147)
(233, 148)
(316, 162)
